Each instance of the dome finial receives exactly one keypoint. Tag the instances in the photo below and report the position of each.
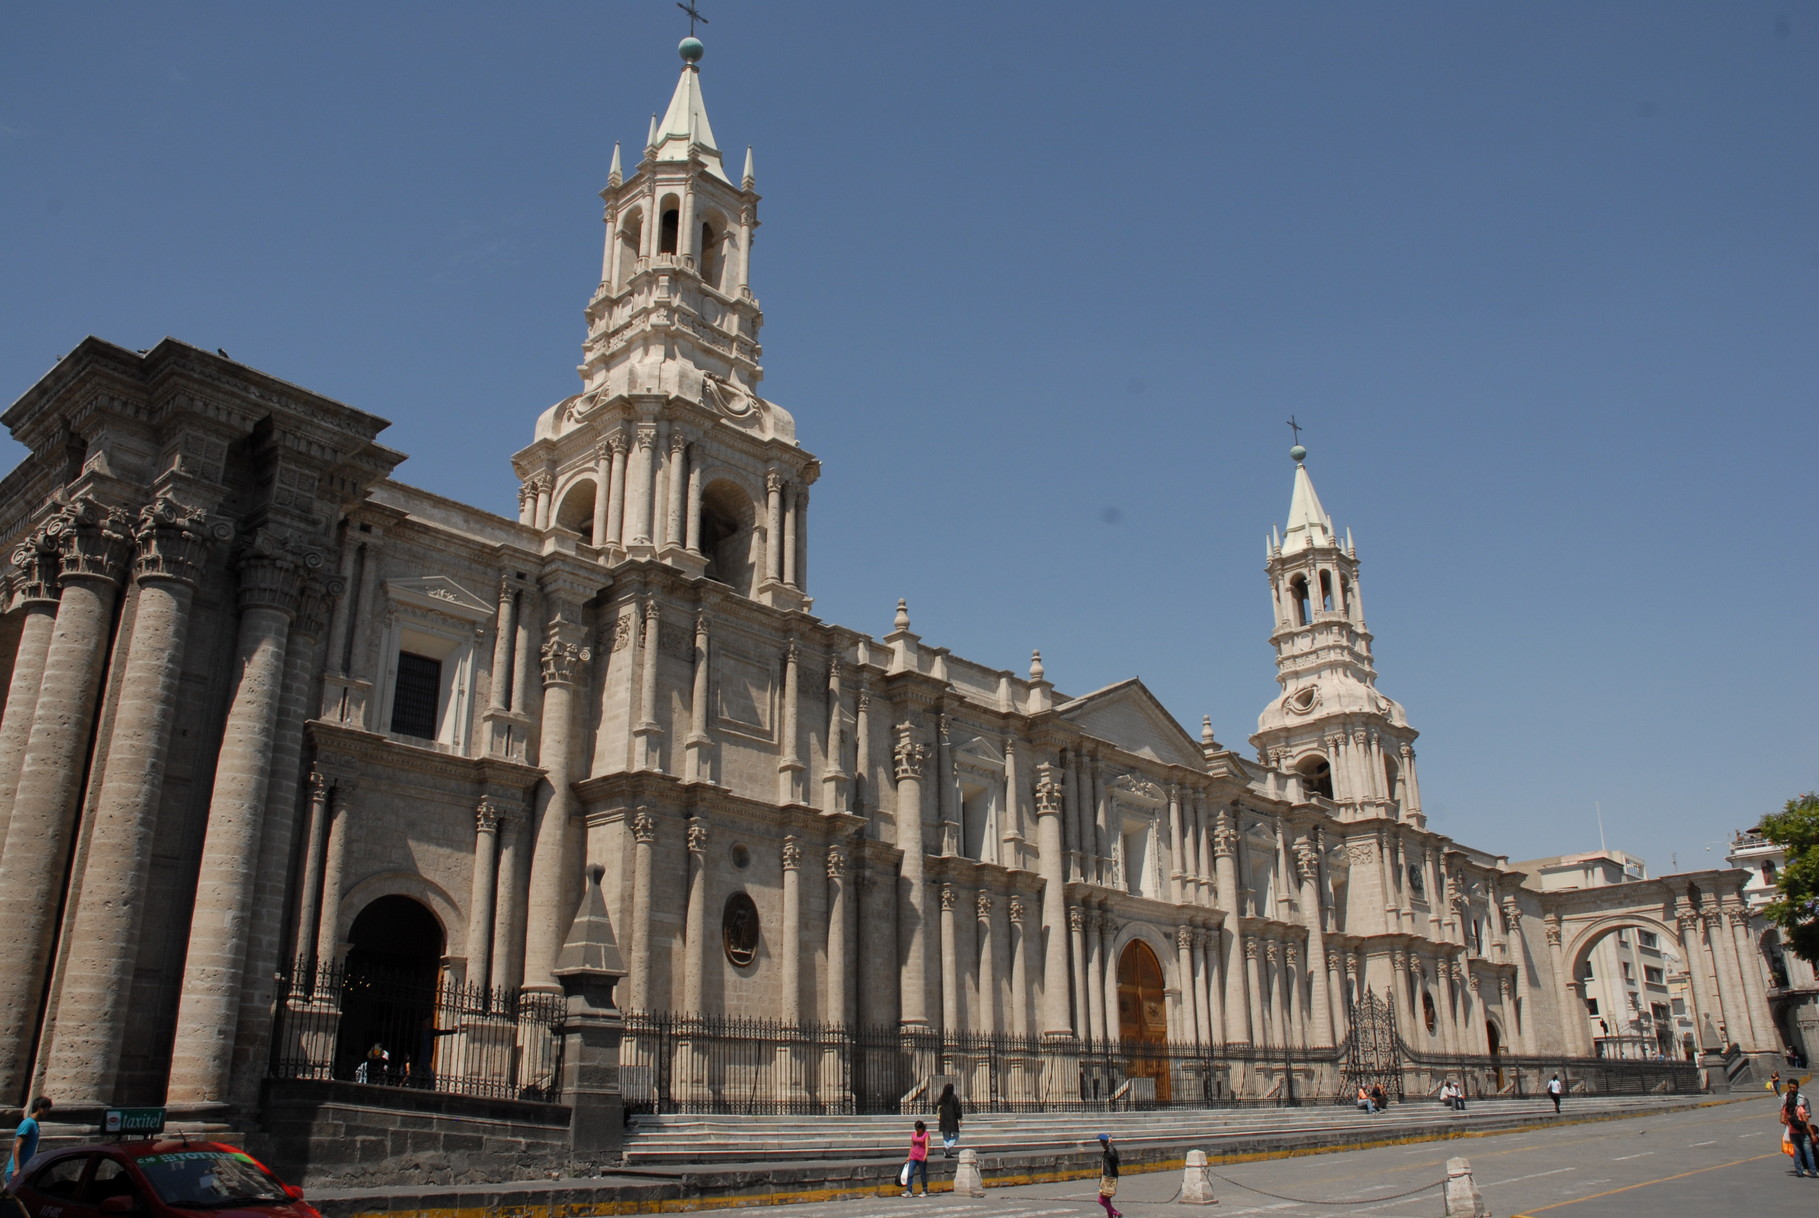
(690, 48)
(1297, 452)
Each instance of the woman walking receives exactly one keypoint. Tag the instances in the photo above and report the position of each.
(918, 1160)
(1108, 1175)
(947, 1113)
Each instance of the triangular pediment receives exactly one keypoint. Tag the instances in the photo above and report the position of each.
(1128, 715)
(440, 593)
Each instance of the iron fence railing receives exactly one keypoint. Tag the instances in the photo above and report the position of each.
(417, 1030)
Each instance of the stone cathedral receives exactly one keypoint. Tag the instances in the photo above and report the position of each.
(265, 704)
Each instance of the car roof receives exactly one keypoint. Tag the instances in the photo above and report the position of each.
(139, 1149)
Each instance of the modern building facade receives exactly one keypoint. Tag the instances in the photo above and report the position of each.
(266, 703)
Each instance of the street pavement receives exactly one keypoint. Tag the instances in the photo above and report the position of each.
(1687, 1164)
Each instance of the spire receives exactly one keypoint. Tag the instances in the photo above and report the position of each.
(748, 180)
(615, 175)
(684, 127)
(1308, 523)
(651, 140)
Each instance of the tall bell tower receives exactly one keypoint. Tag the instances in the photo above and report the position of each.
(668, 452)
(1330, 727)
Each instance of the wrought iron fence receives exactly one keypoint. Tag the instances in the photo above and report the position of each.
(418, 1030)
(674, 1063)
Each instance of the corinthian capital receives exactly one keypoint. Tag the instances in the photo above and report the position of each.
(562, 661)
(173, 541)
(92, 539)
(644, 828)
(909, 753)
(1048, 790)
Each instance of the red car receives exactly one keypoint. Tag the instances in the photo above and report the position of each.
(168, 1178)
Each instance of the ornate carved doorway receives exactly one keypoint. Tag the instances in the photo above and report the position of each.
(1143, 1016)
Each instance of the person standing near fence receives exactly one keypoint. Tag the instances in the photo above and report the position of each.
(947, 1115)
(918, 1160)
(1108, 1175)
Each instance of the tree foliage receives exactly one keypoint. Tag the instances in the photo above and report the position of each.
(1796, 907)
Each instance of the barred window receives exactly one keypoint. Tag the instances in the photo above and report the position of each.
(416, 696)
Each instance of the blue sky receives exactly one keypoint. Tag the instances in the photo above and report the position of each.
(1042, 284)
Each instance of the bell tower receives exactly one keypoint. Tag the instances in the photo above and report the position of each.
(668, 452)
(1330, 727)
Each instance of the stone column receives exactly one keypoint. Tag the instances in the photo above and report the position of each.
(1577, 1034)
(987, 1018)
(648, 732)
(1082, 1006)
(692, 536)
(834, 778)
(550, 906)
(1209, 1030)
(1184, 967)
(1094, 981)
(800, 575)
(1070, 824)
(1237, 1004)
(1700, 987)
(91, 542)
(1020, 983)
(950, 971)
(1731, 1000)
(1293, 980)
(334, 871)
(1307, 865)
(641, 485)
(773, 527)
(514, 891)
(615, 489)
(789, 762)
(1203, 850)
(840, 909)
(1253, 987)
(911, 756)
(644, 838)
(1049, 858)
(1177, 870)
(1335, 995)
(603, 477)
(947, 816)
(700, 737)
(697, 932)
(315, 842)
(483, 893)
(38, 620)
(1108, 980)
(792, 932)
(213, 972)
(104, 931)
(499, 692)
(1749, 968)
(1013, 843)
(788, 571)
(678, 489)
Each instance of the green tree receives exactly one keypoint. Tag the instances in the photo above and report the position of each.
(1796, 909)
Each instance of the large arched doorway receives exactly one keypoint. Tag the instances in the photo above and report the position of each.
(1634, 989)
(388, 995)
(1143, 1016)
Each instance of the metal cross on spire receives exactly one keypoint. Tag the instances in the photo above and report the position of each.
(693, 16)
(1295, 427)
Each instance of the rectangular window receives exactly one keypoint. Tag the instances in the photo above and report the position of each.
(1627, 974)
(1679, 1006)
(417, 696)
(1591, 1006)
(1654, 976)
(1648, 938)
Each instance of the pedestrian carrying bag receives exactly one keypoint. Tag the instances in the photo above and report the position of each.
(904, 1175)
(1787, 1142)
(1108, 1186)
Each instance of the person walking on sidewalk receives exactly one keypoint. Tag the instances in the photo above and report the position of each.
(1553, 1092)
(25, 1140)
(1108, 1175)
(947, 1114)
(918, 1160)
(1799, 1121)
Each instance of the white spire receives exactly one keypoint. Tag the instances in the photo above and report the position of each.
(1308, 523)
(651, 140)
(749, 181)
(615, 175)
(684, 127)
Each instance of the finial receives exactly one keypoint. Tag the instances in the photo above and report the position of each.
(651, 142)
(595, 873)
(901, 622)
(693, 17)
(1298, 453)
(1037, 672)
(691, 51)
(1206, 730)
(614, 175)
(749, 181)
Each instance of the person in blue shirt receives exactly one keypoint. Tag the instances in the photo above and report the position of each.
(25, 1138)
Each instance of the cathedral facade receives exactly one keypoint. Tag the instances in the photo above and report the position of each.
(269, 709)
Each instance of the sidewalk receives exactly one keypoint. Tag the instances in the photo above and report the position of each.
(673, 1189)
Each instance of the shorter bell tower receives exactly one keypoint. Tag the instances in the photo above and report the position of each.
(1330, 727)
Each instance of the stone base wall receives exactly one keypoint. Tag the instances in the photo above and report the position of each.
(319, 1133)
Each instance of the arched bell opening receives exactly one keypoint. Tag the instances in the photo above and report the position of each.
(576, 513)
(1316, 775)
(729, 535)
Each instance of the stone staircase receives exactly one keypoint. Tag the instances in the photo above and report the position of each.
(683, 1141)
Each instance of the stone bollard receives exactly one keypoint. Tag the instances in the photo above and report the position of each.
(1196, 1186)
(1463, 1200)
(967, 1181)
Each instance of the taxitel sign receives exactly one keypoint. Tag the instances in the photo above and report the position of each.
(133, 1120)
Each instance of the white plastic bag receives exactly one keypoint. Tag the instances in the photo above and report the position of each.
(903, 1176)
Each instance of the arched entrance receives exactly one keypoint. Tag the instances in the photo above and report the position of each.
(1633, 988)
(1493, 1036)
(388, 993)
(1143, 1015)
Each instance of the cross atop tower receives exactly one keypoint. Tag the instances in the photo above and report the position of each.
(1295, 427)
(693, 16)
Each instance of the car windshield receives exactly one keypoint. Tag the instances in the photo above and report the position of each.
(209, 1179)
